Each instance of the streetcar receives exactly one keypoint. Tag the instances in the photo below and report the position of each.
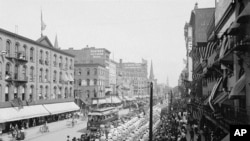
(101, 117)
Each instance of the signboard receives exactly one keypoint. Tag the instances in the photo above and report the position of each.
(220, 9)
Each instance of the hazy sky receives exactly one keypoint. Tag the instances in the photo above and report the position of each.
(130, 29)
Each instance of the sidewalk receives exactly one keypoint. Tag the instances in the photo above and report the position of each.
(34, 132)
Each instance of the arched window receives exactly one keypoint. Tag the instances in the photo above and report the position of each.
(60, 63)
(60, 78)
(15, 91)
(46, 92)
(66, 63)
(66, 94)
(31, 92)
(60, 92)
(80, 82)
(25, 52)
(41, 75)
(32, 74)
(55, 60)
(22, 90)
(16, 72)
(88, 71)
(40, 94)
(8, 44)
(46, 75)
(16, 50)
(24, 72)
(95, 71)
(70, 92)
(8, 71)
(7, 89)
(70, 65)
(32, 54)
(47, 58)
(54, 76)
(41, 57)
(54, 93)
(88, 82)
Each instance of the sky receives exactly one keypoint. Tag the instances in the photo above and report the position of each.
(129, 29)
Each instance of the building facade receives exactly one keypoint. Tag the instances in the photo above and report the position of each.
(136, 74)
(90, 81)
(33, 75)
(224, 69)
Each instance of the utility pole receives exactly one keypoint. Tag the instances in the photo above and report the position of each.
(151, 113)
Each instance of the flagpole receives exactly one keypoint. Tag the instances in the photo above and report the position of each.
(41, 23)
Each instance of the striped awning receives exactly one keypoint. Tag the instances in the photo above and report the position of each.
(214, 90)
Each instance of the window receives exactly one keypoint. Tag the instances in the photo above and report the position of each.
(66, 63)
(47, 92)
(70, 65)
(88, 82)
(31, 73)
(47, 58)
(15, 91)
(79, 71)
(88, 93)
(32, 54)
(25, 52)
(88, 71)
(31, 92)
(24, 72)
(8, 44)
(41, 75)
(54, 93)
(7, 89)
(60, 93)
(54, 77)
(95, 71)
(60, 78)
(60, 63)
(16, 72)
(66, 93)
(55, 60)
(22, 89)
(41, 57)
(70, 92)
(95, 94)
(80, 82)
(40, 95)
(47, 75)
(16, 50)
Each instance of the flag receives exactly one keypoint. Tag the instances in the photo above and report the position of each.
(43, 25)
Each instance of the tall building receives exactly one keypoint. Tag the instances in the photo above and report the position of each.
(34, 75)
(136, 75)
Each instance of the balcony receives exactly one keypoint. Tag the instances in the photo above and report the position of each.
(19, 57)
(17, 78)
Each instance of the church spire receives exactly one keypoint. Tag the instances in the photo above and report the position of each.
(151, 76)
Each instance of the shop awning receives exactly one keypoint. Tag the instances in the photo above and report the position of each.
(58, 108)
(238, 88)
(14, 113)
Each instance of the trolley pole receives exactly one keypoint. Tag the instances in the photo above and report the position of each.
(151, 113)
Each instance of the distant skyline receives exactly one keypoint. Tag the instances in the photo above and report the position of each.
(130, 29)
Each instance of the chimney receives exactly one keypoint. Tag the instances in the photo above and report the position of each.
(71, 48)
(196, 6)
